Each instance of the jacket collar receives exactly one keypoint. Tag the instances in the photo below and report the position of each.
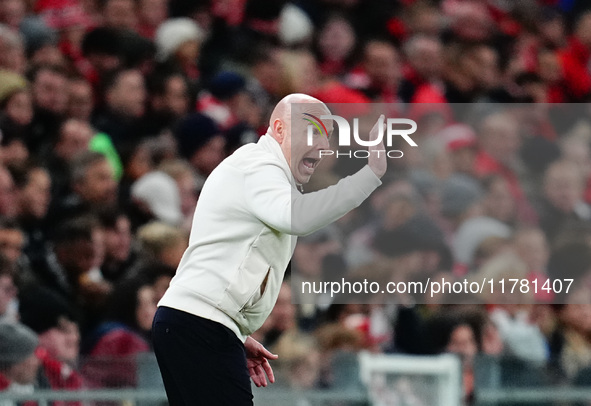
(271, 145)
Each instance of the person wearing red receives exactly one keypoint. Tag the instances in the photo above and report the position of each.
(112, 346)
(574, 60)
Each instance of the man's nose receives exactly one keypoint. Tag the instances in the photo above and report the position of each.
(323, 142)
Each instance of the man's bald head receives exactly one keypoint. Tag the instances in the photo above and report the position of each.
(282, 110)
(281, 129)
(280, 121)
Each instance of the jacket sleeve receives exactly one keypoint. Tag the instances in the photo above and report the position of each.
(272, 199)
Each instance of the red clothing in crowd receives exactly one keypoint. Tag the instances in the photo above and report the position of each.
(111, 362)
(429, 93)
(59, 375)
(574, 60)
(217, 110)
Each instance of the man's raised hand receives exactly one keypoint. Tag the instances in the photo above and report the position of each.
(377, 154)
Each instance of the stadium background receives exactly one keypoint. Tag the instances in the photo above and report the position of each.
(113, 112)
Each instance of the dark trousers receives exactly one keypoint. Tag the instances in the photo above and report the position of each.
(202, 362)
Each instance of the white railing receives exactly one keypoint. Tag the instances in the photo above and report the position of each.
(416, 380)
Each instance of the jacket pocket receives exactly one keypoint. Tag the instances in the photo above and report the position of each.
(244, 290)
(256, 312)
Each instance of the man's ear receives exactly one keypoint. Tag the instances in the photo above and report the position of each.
(279, 130)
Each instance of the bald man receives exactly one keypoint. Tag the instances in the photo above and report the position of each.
(244, 232)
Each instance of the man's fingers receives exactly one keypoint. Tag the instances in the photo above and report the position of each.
(268, 354)
(261, 375)
(254, 377)
(269, 371)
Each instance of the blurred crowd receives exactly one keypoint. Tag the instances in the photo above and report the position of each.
(114, 112)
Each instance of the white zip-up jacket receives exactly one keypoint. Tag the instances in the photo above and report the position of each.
(244, 232)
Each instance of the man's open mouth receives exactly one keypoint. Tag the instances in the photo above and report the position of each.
(310, 162)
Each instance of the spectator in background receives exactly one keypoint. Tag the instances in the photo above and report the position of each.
(461, 199)
(168, 102)
(7, 194)
(12, 13)
(16, 114)
(336, 43)
(571, 349)
(8, 291)
(577, 150)
(574, 59)
(381, 74)
(552, 28)
(15, 99)
(162, 243)
(469, 71)
(295, 27)
(12, 50)
(101, 51)
(461, 143)
(512, 316)
(50, 100)
(414, 250)
(532, 247)
(200, 141)
(12, 242)
(93, 187)
(120, 14)
(118, 238)
(337, 342)
(300, 72)
(178, 42)
(562, 199)
(53, 320)
(92, 180)
(226, 101)
(72, 255)
(43, 48)
(13, 148)
(425, 65)
(452, 333)
(33, 190)
(469, 237)
(188, 187)
(125, 103)
(73, 138)
(157, 197)
(112, 346)
(156, 274)
(500, 142)
(282, 319)
(498, 202)
(265, 75)
(19, 365)
(137, 160)
(307, 266)
(80, 99)
(55, 323)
